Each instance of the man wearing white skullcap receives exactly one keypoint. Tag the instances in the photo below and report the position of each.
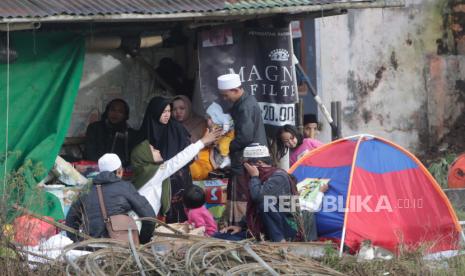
(109, 162)
(268, 186)
(248, 129)
(119, 197)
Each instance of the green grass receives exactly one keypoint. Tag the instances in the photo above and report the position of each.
(408, 263)
(460, 214)
(439, 168)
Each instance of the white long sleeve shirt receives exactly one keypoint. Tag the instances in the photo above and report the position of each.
(152, 189)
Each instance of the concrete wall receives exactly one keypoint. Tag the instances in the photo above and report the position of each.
(399, 73)
(112, 74)
(383, 65)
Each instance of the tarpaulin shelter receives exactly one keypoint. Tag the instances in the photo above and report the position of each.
(379, 192)
(37, 97)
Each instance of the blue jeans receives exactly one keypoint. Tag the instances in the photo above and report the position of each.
(276, 226)
(230, 237)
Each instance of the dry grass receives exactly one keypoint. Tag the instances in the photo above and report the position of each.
(204, 257)
(409, 263)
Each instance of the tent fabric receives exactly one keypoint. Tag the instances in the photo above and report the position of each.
(376, 156)
(388, 197)
(329, 223)
(43, 83)
(330, 156)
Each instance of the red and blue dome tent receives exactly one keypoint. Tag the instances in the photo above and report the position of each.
(379, 192)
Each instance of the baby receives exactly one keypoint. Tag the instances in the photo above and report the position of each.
(212, 158)
(218, 119)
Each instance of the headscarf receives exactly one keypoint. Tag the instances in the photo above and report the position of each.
(170, 138)
(194, 124)
(144, 168)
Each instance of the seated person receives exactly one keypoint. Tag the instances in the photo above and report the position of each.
(311, 126)
(119, 196)
(111, 134)
(151, 174)
(216, 156)
(267, 187)
(289, 138)
(197, 214)
(182, 112)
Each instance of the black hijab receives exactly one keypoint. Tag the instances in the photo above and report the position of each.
(169, 138)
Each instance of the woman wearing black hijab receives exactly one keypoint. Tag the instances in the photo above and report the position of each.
(169, 137)
(111, 134)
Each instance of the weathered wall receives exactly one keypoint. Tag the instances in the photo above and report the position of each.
(111, 74)
(383, 65)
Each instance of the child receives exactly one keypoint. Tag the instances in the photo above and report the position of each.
(311, 126)
(217, 156)
(197, 214)
(288, 138)
(217, 118)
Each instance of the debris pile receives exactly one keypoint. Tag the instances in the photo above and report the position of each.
(191, 256)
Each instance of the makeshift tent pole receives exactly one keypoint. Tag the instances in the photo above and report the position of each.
(336, 114)
(312, 89)
(7, 109)
(115, 42)
(354, 160)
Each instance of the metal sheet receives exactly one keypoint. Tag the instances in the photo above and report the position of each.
(47, 8)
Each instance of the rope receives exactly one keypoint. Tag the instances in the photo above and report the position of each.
(7, 105)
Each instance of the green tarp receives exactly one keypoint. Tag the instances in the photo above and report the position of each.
(43, 84)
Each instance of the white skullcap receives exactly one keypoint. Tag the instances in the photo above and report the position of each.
(229, 81)
(109, 162)
(256, 151)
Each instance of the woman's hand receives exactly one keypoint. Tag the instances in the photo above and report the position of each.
(324, 188)
(252, 170)
(233, 229)
(211, 136)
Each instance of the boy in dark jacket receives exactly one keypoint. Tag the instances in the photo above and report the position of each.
(119, 196)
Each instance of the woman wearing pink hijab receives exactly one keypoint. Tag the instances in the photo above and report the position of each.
(182, 112)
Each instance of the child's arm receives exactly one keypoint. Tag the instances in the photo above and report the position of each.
(199, 221)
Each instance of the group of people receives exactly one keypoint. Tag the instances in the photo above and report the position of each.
(160, 153)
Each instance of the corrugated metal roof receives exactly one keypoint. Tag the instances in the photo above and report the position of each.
(43, 8)
(282, 3)
(39, 9)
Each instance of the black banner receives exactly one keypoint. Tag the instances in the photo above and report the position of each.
(263, 59)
